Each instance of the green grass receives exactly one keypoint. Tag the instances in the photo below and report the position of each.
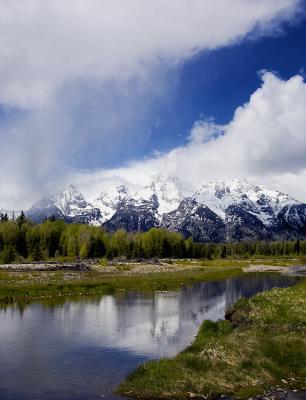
(25, 286)
(262, 346)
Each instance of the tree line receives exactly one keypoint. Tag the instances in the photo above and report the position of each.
(21, 240)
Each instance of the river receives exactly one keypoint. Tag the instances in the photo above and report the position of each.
(80, 349)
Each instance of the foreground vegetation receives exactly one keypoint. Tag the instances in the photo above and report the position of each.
(22, 241)
(263, 345)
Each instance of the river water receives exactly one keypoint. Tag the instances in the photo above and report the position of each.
(80, 349)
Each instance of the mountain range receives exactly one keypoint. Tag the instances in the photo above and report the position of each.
(219, 211)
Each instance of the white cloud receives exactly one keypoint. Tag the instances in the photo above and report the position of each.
(265, 141)
(58, 57)
(47, 43)
(205, 131)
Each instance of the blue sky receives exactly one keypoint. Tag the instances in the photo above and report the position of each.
(209, 86)
(95, 90)
(215, 83)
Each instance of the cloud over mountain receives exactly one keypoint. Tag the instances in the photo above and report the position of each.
(265, 139)
(79, 78)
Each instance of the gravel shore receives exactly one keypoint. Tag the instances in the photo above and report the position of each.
(298, 270)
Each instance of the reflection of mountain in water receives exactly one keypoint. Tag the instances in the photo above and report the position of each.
(160, 325)
(84, 348)
(156, 324)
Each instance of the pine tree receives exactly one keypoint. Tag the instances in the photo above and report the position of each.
(297, 247)
(1, 241)
(3, 217)
(223, 252)
(21, 219)
(36, 255)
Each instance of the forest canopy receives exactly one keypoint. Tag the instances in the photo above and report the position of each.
(21, 240)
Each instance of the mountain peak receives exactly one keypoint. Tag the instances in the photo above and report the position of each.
(107, 202)
(224, 209)
(262, 202)
(70, 191)
(229, 184)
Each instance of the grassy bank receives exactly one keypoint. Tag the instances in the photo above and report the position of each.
(108, 277)
(262, 346)
(29, 285)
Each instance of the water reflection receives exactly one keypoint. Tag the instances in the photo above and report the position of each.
(82, 349)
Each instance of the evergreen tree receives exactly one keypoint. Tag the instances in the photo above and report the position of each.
(1, 242)
(36, 253)
(297, 247)
(223, 252)
(3, 217)
(21, 246)
(8, 254)
(21, 219)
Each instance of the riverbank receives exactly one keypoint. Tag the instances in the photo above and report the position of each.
(39, 281)
(26, 282)
(261, 348)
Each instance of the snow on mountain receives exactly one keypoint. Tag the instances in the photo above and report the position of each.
(71, 201)
(170, 192)
(69, 204)
(146, 199)
(231, 209)
(259, 201)
(164, 193)
(223, 210)
(139, 209)
(108, 202)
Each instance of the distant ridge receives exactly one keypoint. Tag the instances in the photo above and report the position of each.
(221, 210)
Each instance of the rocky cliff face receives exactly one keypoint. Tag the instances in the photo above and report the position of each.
(224, 210)
(143, 209)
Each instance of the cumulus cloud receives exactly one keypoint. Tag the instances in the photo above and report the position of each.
(205, 131)
(265, 141)
(74, 75)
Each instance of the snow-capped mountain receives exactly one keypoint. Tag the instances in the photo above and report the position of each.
(233, 209)
(259, 201)
(144, 208)
(108, 202)
(162, 195)
(168, 191)
(223, 210)
(69, 204)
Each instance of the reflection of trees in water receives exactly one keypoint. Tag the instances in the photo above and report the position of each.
(102, 339)
(149, 322)
(166, 317)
